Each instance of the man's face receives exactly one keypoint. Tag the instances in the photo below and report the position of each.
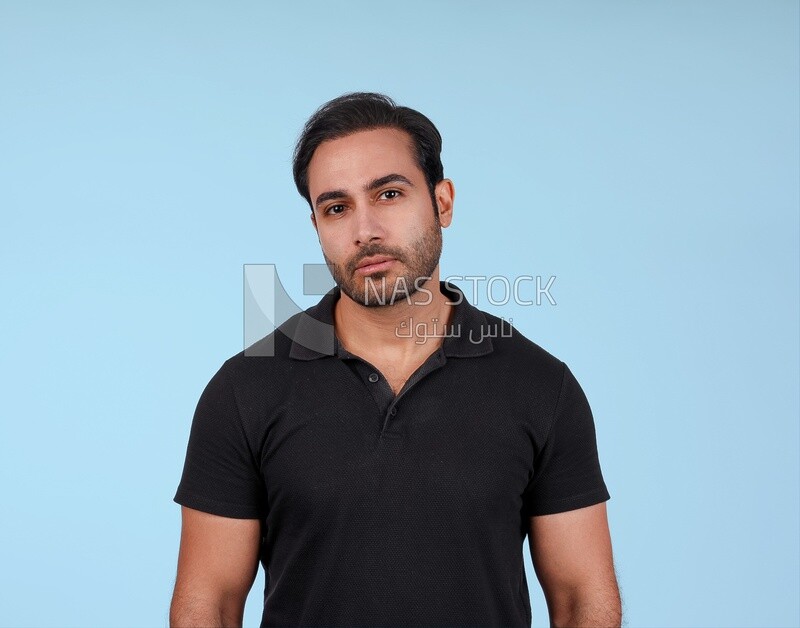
(374, 217)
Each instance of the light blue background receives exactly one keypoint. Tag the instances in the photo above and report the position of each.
(644, 153)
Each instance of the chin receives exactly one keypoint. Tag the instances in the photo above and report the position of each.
(379, 289)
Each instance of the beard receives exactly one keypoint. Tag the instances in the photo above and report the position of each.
(384, 288)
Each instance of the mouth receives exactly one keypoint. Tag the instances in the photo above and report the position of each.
(374, 264)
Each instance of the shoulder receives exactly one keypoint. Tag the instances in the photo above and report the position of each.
(530, 361)
(256, 381)
(267, 360)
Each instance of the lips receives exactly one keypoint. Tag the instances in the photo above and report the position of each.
(374, 264)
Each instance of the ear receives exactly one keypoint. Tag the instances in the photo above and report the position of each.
(445, 193)
(314, 222)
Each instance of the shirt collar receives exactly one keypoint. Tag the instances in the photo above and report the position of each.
(313, 336)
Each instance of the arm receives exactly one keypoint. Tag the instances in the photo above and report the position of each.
(571, 554)
(217, 564)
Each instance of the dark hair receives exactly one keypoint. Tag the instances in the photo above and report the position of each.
(362, 111)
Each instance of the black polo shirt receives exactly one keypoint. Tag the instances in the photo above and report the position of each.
(393, 510)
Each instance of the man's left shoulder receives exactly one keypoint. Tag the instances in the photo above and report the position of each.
(511, 346)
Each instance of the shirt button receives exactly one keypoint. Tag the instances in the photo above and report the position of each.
(393, 411)
(373, 377)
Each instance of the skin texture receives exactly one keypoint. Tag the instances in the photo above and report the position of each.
(571, 553)
(217, 564)
(374, 200)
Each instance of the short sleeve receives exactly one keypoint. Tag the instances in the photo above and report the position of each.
(567, 471)
(220, 473)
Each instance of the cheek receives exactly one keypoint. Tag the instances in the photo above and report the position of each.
(331, 246)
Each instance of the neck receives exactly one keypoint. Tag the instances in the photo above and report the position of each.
(409, 327)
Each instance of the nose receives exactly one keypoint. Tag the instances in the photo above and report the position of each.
(367, 225)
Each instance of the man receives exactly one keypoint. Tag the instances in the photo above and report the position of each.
(386, 463)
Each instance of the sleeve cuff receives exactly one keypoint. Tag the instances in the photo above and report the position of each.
(214, 507)
(573, 502)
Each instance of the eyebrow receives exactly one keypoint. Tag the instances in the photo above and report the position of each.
(372, 185)
(389, 178)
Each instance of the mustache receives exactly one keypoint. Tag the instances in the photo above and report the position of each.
(369, 251)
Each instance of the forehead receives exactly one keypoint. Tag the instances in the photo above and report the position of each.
(361, 157)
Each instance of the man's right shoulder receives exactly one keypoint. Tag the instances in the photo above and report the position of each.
(268, 357)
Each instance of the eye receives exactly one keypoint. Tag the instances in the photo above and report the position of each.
(334, 210)
(390, 194)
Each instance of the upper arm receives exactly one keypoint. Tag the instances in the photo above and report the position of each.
(572, 557)
(218, 559)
